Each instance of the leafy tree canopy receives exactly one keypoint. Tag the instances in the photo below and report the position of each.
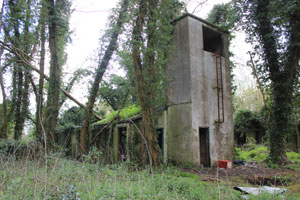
(115, 91)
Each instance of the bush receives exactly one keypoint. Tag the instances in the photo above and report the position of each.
(246, 121)
(258, 154)
(294, 159)
(20, 148)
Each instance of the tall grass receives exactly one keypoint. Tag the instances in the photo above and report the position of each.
(67, 179)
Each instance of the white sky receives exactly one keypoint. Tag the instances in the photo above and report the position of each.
(90, 17)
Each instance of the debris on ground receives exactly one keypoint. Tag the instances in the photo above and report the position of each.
(264, 189)
(226, 164)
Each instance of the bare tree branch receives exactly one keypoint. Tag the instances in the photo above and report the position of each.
(26, 60)
(259, 85)
(199, 4)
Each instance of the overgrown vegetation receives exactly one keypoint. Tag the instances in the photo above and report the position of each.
(67, 179)
(125, 113)
(248, 123)
(29, 170)
(272, 29)
(259, 154)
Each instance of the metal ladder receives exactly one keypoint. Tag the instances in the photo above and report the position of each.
(220, 94)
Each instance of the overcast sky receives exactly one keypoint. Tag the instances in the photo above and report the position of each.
(90, 17)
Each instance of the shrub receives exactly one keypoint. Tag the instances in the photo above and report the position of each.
(258, 154)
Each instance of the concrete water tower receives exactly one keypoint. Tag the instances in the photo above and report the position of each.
(198, 122)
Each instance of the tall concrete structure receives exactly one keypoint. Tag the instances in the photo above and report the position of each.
(198, 125)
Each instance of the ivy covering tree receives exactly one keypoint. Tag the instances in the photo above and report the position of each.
(110, 39)
(151, 46)
(23, 36)
(272, 26)
(18, 29)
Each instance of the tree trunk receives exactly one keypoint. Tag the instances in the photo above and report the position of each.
(25, 93)
(3, 129)
(279, 124)
(282, 74)
(55, 77)
(141, 85)
(99, 74)
(19, 125)
(22, 85)
(40, 98)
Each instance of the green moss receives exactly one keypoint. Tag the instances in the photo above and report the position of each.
(127, 112)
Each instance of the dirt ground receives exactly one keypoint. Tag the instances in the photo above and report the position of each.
(252, 175)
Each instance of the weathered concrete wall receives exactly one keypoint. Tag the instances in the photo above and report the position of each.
(180, 85)
(162, 122)
(179, 139)
(198, 91)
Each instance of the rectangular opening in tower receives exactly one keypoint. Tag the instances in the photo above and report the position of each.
(204, 147)
(212, 41)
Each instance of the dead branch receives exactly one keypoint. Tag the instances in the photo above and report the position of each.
(259, 85)
(27, 61)
(199, 4)
(105, 127)
(113, 119)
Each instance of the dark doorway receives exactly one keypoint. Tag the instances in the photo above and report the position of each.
(160, 139)
(204, 147)
(122, 144)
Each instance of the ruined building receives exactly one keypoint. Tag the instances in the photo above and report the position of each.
(196, 127)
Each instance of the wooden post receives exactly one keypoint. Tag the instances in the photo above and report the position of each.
(74, 144)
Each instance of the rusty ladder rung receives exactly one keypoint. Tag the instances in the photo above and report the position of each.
(219, 88)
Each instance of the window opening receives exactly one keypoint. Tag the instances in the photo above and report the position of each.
(212, 41)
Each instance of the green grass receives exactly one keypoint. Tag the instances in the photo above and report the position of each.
(66, 179)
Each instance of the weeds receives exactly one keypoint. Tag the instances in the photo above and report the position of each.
(24, 179)
(258, 154)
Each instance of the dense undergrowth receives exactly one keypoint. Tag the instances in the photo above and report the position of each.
(259, 154)
(60, 178)
(25, 173)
